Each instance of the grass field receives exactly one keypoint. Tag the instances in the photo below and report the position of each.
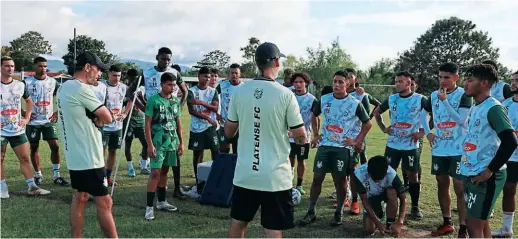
(48, 216)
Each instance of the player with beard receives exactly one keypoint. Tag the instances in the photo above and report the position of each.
(489, 143)
(42, 89)
(509, 200)
(151, 82)
(345, 126)
(449, 107)
(12, 131)
(225, 90)
(500, 90)
(403, 133)
(306, 102)
(135, 130)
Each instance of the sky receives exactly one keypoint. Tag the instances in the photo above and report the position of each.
(368, 30)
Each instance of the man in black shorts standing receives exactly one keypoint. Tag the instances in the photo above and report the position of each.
(83, 144)
(263, 109)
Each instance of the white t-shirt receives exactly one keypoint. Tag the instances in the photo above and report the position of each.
(81, 139)
(42, 94)
(264, 110)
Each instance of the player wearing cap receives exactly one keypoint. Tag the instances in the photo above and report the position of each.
(262, 110)
(203, 104)
(12, 126)
(80, 113)
(377, 183)
(42, 89)
(135, 130)
(509, 200)
(489, 143)
(306, 102)
(225, 90)
(112, 133)
(449, 107)
(402, 143)
(344, 127)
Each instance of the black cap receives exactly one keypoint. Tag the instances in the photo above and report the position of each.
(267, 52)
(92, 59)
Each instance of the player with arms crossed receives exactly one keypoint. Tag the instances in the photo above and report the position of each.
(164, 140)
(112, 132)
(135, 129)
(449, 107)
(80, 115)
(500, 90)
(42, 89)
(203, 104)
(509, 200)
(225, 90)
(263, 109)
(306, 102)
(345, 125)
(12, 131)
(402, 143)
(489, 144)
(376, 183)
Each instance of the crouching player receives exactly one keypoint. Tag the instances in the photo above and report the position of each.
(376, 182)
(164, 137)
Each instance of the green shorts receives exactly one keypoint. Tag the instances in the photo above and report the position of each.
(376, 203)
(450, 165)
(223, 140)
(112, 139)
(207, 139)
(14, 141)
(34, 132)
(481, 198)
(333, 160)
(163, 158)
(409, 157)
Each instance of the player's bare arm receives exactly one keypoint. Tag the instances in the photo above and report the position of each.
(28, 111)
(127, 109)
(379, 120)
(103, 115)
(179, 132)
(183, 89)
(213, 106)
(195, 113)
(231, 128)
(151, 151)
(299, 135)
(402, 208)
(315, 126)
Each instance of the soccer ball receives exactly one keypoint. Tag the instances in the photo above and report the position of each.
(296, 197)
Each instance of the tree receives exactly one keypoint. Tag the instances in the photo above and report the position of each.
(86, 43)
(291, 62)
(6, 51)
(381, 73)
(215, 59)
(27, 47)
(322, 63)
(125, 66)
(448, 40)
(249, 69)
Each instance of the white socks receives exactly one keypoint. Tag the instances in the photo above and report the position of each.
(56, 170)
(143, 164)
(508, 220)
(130, 165)
(37, 174)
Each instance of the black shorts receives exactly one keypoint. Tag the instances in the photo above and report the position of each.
(512, 169)
(301, 151)
(276, 207)
(92, 181)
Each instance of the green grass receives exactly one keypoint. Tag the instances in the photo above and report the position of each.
(48, 216)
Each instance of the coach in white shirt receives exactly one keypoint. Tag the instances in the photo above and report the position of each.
(262, 110)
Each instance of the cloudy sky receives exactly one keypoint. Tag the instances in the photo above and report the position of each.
(369, 30)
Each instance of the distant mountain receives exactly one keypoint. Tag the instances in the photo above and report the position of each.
(56, 65)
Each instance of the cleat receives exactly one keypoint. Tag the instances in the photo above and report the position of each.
(443, 230)
(337, 219)
(38, 180)
(150, 215)
(308, 219)
(355, 209)
(145, 171)
(416, 213)
(164, 206)
(36, 191)
(179, 194)
(503, 233)
(61, 181)
(131, 172)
